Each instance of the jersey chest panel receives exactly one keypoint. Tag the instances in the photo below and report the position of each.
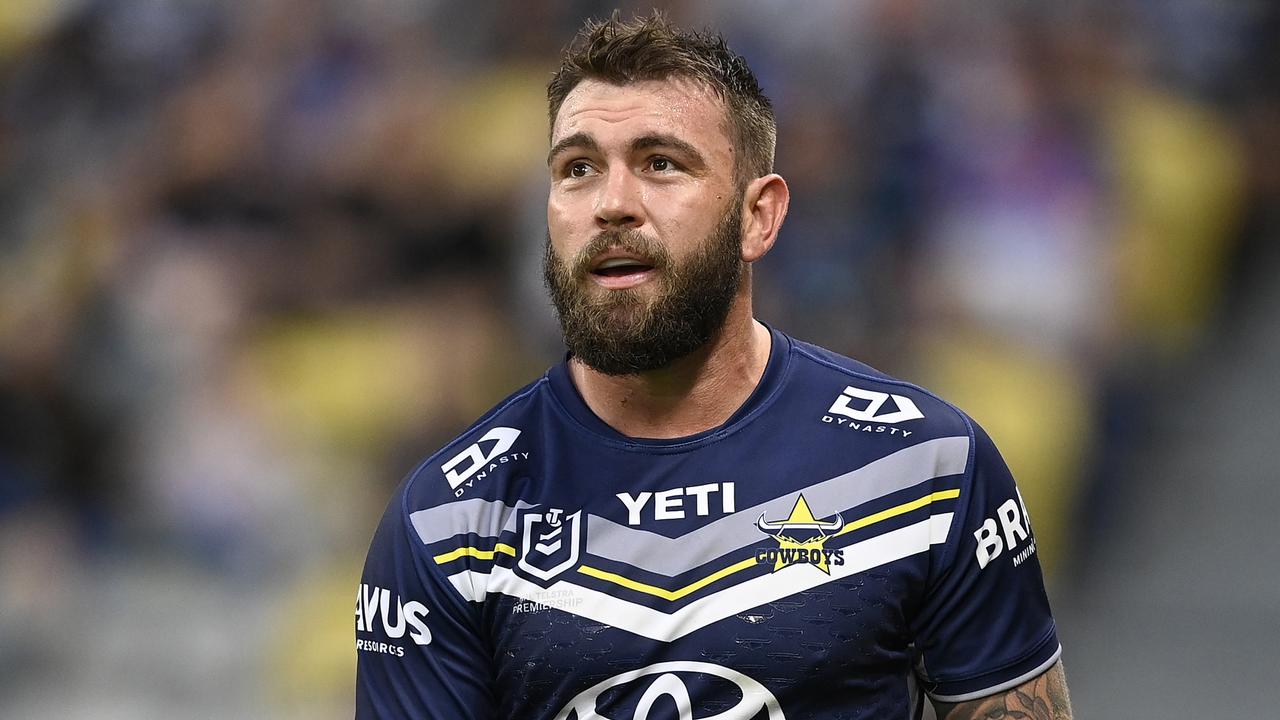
(788, 569)
(842, 545)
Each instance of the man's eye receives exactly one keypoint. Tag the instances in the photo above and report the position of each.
(660, 164)
(579, 169)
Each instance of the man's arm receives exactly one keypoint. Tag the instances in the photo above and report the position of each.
(1042, 698)
(419, 651)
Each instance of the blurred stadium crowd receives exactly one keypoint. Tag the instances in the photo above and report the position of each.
(256, 259)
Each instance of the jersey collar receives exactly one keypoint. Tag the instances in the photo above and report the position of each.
(570, 400)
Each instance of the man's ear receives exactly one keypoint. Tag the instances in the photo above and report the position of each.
(763, 209)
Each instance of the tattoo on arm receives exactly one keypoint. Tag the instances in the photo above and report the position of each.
(1044, 698)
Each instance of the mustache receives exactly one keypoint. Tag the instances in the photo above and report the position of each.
(631, 241)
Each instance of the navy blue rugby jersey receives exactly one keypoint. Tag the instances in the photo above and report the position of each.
(842, 546)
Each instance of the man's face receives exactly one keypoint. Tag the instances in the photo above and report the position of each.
(643, 255)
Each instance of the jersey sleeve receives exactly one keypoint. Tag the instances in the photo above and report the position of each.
(985, 625)
(419, 650)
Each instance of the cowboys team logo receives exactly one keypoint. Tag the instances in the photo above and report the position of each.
(801, 538)
(550, 543)
(698, 691)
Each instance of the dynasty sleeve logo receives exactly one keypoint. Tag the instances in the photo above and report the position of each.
(487, 451)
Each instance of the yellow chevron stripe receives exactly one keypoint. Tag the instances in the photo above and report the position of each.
(665, 594)
(899, 510)
(475, 553)
(673, 595)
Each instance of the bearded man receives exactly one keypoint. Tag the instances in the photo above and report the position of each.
(694, 515)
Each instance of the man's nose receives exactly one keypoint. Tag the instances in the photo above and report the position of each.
(619, 204)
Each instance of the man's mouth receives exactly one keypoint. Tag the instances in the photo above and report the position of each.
(617, 267)
(621, 272)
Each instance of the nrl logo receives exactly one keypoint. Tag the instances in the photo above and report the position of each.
(801, 539)
(550, 543)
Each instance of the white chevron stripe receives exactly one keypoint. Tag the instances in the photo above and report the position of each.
(665, 627)
(672, 556)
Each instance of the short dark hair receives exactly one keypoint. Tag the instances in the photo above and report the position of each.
(652, 48)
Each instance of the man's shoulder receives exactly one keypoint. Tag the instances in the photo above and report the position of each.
(864, 397)
(499, 440)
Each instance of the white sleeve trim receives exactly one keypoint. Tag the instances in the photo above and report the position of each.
(1039, 670)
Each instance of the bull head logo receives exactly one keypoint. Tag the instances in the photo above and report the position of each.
(801, 527)
(801, 537)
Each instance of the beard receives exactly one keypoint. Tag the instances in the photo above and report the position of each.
(624, 332)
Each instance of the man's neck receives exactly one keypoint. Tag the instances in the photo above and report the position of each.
(695, 393)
